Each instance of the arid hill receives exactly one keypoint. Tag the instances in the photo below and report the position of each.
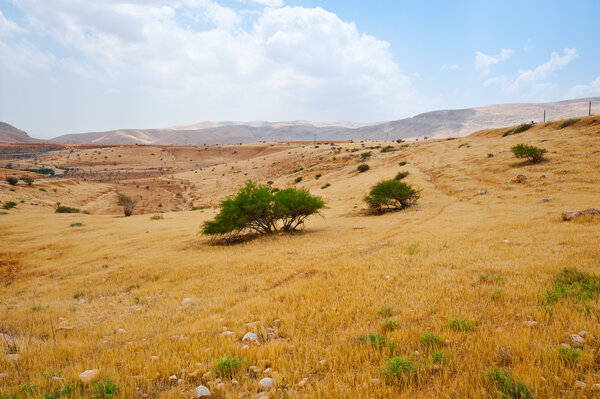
(10, 134)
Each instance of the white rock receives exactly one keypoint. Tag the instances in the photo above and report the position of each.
(81, 301)
(577, 340)
(153, 357)
(266, 383)
(88, 376)
(595, 387)
(482, 192)
(250, 336)
(530, 323)
(580, 384)
(186, 301)
(121, 331)
(227, 334)
(173, 378)
(202, 391)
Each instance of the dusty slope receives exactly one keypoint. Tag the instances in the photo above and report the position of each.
(485, 258)
(10, 134)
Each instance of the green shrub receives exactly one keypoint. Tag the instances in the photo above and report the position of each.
(42, 189)
(374, 339)
(490, 155)
(104, 389)
(77, 224)
(158, 216)
(573, 283)
(298, 179)
(363, 167)
(523, 127)
(401, 175)
(66, 209)
(430, 339)
(390, 325)
(12, 180)
(365, 155)
(42, 171)
(262, 209)
(508, 385)
(388, 148)
(227, 366)
(323, 187)
(9, 205)
(318, 176)
(385, 311)
(461, 324)
(569, 355)
(402, 163)
(391, 194)
(568, 123)
(533, 154)
(398, 366)
(27, 180)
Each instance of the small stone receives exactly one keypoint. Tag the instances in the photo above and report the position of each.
(544, 200)
(245, 346)
(153, 357)
(267, 370)
(220, 387)
(88, 376)
(595, 387)
(577, 340)
(179, 381)
(227, 334)
(322, 362)
(521, 179)
(121, 331)
(202, 391)
(559, 380)
(56, 378)
(565, 346)
(250, 337)
(530, 323)
(173, 378)
(543, 176)
(234, 381)
(580, 385)
(266, 383)
(81, 301)
(186, 301)
(482, 192)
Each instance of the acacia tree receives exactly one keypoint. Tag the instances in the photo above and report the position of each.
(262, 209)
(391, 195)
(127, 203)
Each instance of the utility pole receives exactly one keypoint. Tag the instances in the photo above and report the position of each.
(315, 139)
(544, 116)
(590, 109)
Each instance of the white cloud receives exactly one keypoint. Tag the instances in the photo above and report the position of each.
(452, 67)
(268, 3)
(484, 62)
(290, 62)
(542, 72)
(591, 89)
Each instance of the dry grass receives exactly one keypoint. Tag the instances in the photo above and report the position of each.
(320, 290)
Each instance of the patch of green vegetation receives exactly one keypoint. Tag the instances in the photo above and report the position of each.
(66, 209)
(389, 148)
(9, 205)
(412, 249)
(391, 195)
(507, 384)
(490, 155)
(64, 392)
(298, 179)
(390, 325)
(325, 186)
(365, 155)
(569, 355)
(227, 366)
(461, 324)
(401, 175)
(523, 127)
(42, 189)
(402, 163)
(572, 283)
(363, 167)
(568, 123)
(398, 366)
(439, 357)
(487, 278)
(42, 171)
(374, 339)
(497, 294)
(429, 338)
(104, 389)
(532, 153)
(12, 180)
(77, 224)
(158, 216)
(318, 176)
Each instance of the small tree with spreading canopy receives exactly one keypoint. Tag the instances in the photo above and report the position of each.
(127, 203)
(533, 154)
(263, 209)
(391, 195)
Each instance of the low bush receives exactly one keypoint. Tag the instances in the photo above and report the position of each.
(298, 179)
(12, 180)
(398, 366)
(127, 203)
(568, 123)
(523, 127)
(365, 155)
(227, 366)
(66, 209)
(401, 175)
(533, 154)
(9, 205)
(363, 167)
(27, 180)
(318, 176)
(42, 171)
(391, 195)
(158, 216)
(507, 384)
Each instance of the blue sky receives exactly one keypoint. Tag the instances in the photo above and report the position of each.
(77, 65)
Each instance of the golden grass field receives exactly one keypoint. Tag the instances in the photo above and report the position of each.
(108, 294)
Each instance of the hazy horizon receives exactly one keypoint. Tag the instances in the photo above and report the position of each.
(72, 67)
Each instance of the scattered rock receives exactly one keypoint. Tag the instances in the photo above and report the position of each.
(202, 391)
(227, 334)
(88, 376)
(153, 357)
(545, 200)
(270, 336)
(266, 383)
(587, 336)
(186, 301)
(250, 337)
(580, 385)
(530, 323)
(520, 179)
(577, 340)
(543, 176)
(595, 387)
(572, 215)
(173, 378)
(482, 192)
(121, 331)
(194, 373)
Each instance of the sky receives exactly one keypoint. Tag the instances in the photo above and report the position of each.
(70, 66)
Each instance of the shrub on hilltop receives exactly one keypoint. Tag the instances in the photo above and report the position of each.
(262, 209)
(391, 195)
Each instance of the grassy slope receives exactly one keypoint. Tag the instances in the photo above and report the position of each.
(325, 285)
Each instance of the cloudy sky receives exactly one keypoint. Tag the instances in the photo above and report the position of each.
(80, 65)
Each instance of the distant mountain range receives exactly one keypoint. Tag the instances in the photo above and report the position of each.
(436, 124)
